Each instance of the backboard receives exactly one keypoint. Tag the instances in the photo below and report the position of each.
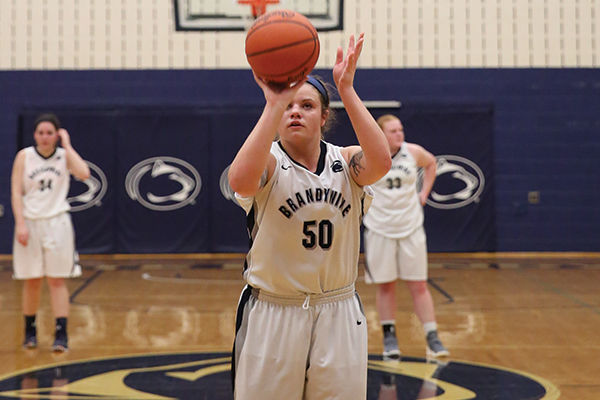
(229, 15)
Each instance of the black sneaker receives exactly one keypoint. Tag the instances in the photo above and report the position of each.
(435, 348)
(391, 352)
(61, 343)
(30, 341)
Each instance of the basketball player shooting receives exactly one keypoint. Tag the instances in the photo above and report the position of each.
(300, 330)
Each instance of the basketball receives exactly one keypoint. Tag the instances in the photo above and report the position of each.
(282, 47)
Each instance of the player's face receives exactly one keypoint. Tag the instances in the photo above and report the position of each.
(303, 115)
(45, 136)
(394, 133)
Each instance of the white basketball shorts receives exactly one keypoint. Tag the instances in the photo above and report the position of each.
(390, 259)
(285, 349)
(50, 250)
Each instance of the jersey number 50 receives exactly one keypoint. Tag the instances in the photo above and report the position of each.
(321, 233)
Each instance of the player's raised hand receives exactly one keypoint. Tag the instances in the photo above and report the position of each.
(65, 139)
(345, 67)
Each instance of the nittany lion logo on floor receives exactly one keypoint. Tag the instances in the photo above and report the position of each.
(207, 376)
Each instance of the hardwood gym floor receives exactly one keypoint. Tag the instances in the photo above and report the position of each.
(529, 319)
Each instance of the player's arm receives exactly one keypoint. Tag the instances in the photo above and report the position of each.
(371, 161)
(425, 160)
(254, 157)
(76, 165)
(16, 192)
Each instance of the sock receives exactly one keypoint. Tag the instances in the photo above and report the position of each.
(429, 326)
(30, 324)
(61, 326)
(389, 327)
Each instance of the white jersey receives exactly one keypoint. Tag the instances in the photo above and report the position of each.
(305, 227)
(396, 211)
(45, 184)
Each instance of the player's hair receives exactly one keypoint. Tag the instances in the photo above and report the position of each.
(386, 118)
(324, 90)
(320, 86)
(47, 117)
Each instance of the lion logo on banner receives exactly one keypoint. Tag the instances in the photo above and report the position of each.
(148, 173)
(462, 176)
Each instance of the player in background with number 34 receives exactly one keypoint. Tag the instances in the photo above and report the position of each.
(44, 243)
(300, 330)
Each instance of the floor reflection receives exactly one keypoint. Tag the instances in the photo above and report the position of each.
(35, 385)
(393, 387)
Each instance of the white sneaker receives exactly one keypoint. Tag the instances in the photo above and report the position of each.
(76, 271)
(391, 352)
(435, 348)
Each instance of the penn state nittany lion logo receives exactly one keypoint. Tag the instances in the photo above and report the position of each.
(207, 376)
(226, 189)
(459, 182)
(163, 183)
(90, 192)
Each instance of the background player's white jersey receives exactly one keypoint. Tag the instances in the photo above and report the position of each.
(396, 211)
(311, 218)
(45, 183)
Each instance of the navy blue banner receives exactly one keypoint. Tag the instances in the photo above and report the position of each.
(149, 168)
(163, 164)
(460, 211)
(92, 202)
(229, 233)
(157, 176)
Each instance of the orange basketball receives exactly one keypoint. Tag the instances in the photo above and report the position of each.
(282, 46)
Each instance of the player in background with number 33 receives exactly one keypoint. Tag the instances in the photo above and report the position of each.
(395, 241)
(300, 329)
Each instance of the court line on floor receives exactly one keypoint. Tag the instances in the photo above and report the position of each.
(178, 279)
(165, 279)
(84, 285)
(442, 291)
(568, 296)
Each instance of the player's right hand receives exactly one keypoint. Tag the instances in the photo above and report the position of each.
(22, 234)
(276, 93)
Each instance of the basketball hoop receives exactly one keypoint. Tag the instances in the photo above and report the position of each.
(259, 7)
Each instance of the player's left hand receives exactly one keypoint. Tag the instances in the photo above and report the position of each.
(65, 139)
(345, 67)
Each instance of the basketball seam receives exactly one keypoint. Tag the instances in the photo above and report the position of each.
(293, 70)
(308, 28)
(292, 44)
